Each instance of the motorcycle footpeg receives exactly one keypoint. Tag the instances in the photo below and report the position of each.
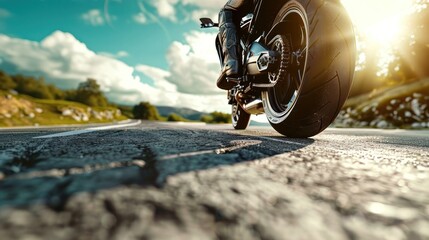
(234, 80)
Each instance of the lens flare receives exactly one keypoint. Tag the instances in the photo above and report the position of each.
(380, 24)
(380, 21)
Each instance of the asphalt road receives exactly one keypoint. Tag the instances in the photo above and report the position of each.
(192, 181)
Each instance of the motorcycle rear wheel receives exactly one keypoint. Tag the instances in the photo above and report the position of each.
(319, 67)
(240, 118)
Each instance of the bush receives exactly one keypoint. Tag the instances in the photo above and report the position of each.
(206, 118)
(146, 111)
(89, 93)
(216, 117)
(33, 87)
(175, 118)
(6, 82)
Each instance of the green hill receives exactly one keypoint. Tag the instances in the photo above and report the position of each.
(187, 113)
(22, 110)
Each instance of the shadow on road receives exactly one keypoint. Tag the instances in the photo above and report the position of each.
(50, 171)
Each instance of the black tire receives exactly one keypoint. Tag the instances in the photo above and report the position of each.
(326, 77)
(240, 118)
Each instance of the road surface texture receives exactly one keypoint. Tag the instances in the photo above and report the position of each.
(191, 181)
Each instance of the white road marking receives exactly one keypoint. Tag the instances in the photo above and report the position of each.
(88, 130)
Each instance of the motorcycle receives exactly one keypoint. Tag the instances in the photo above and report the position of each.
(298, 59)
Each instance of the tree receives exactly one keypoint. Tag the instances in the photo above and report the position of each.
(411, 57)
(90, 85)
(206, 118)
(365, 78)
(219, 117)
(173, 117)
(56, 92)
(146, 111)
(6, 82)
(35, 87)
(89, 93)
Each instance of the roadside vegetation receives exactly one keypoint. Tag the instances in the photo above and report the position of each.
(147, 111)
(30, 101)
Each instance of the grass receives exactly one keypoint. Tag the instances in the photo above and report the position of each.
(385, 95)
(22, 111)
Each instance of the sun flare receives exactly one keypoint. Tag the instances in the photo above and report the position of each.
(380, 21)
(380, 24)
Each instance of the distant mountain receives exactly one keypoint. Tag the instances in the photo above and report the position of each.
(184, 112)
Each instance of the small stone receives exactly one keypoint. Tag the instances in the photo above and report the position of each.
(408, 114)
(417, 95)
(85, 118)
(67, 112)
(382, 124)
(417, 125)
(77, 118)
(363, 124)
(416, 107)
(391, 212)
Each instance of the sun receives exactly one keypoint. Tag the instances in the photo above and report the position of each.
(380, 25)
(379, 21)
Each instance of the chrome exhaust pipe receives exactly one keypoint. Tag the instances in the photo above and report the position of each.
(253, 107)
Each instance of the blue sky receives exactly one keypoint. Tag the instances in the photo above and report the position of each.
(144, 44)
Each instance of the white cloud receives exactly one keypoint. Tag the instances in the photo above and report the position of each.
(165, 8)
(197, 14)
(93, 17)
(4, 13)
(65, 62)
(158, 76)
(205, 8)
(165, 93)
(140, 18)
(213, 4)
(194, 66)
(120, 54)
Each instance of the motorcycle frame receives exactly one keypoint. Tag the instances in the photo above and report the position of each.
(251, 31)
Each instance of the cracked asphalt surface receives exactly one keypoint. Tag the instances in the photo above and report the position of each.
(193, 181)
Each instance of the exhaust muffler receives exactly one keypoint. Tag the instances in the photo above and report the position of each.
(253, 106)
